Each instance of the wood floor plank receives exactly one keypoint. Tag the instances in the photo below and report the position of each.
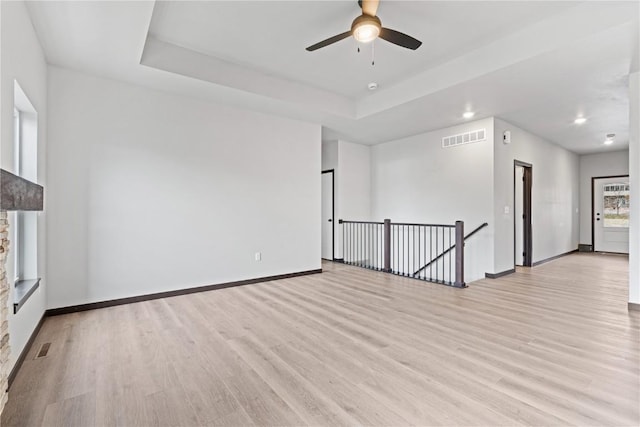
(260, 402)
(550, 345)
(78, 411)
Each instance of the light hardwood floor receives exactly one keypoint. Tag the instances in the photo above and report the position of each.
(552, 345)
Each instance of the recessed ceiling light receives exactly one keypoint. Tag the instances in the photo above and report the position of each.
(372, 86)
(468, 114)
(610, 138)
(580, 120)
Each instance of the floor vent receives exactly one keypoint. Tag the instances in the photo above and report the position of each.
(464, 138)
(43, 350)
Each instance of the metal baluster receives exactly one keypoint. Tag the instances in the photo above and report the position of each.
(413, 249)
(377, 246)
(366, 255)
(424, 253)
(397, 244)
(397, 258)
(349, 244)
(449, 281)
(459, 280)
(360, 243)
(392, 247)
(366, 242)
(374, 255)
(408, 256)
(344, 231)
(370, 260)
(406, 273)
(430, 251)
(345, 242)
(419, 247)
(369, 233)
(405, 238)
(347, 254)
(437, 250)
(416, 250)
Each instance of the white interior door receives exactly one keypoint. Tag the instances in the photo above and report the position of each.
(611, 215)
(327, 215)
(518, 211)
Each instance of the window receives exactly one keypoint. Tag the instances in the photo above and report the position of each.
(616, 205)
(18, 229)
(24, 225)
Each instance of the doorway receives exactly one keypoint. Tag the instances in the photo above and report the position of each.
(522, 228)
(328, 211)
(610, 214)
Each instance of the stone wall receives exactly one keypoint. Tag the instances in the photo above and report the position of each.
(4, 310)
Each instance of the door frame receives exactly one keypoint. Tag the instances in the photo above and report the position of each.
(593, 206)
(333, 211)
(527, 239)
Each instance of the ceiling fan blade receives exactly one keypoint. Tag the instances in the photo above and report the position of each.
(401, 39)
(329, 41)
(370, 7)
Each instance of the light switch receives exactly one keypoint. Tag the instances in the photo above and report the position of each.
(506, 210)
(258, 256)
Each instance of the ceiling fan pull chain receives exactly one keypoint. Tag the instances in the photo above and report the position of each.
(373, 53)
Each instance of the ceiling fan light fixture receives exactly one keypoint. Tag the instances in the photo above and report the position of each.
(366, 33)
(366, 28)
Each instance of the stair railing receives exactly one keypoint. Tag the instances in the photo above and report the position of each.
(430, 252)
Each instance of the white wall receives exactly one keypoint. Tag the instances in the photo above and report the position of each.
(555, 195)
(329, 155)
(22, 60)
(151, 192)
(416, 180)
(634, 178)
(594, 165)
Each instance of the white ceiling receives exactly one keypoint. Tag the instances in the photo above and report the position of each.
(277, 33)
(536, 64)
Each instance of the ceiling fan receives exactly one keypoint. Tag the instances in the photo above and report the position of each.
(367, 27)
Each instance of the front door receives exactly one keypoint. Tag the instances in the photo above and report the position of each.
(611, 215)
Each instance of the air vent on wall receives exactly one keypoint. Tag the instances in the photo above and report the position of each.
(464, 138)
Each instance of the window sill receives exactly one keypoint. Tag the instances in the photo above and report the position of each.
(24, 289)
